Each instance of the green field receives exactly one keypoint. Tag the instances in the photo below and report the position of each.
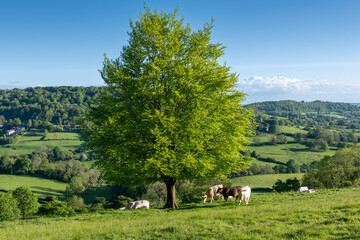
(29, 144)
(40, 186)
(263, 181)
(292, 130)
(326, 214)
(46, 187)
(283, 152)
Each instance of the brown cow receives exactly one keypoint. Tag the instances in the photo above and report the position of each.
(230, 191)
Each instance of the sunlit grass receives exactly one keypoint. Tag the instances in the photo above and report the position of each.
(264, 181)
(29, 144)
(326, 214)
(40, 186)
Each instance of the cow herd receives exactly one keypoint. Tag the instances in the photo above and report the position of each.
(237, 192)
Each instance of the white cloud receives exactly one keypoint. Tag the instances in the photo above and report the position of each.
(277, 84)
(260, 88)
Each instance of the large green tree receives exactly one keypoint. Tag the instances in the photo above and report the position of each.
(170, 110)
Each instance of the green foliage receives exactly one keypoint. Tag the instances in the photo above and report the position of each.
(121, 201)
(99, 204)
(41, 107)
(8, 207)
(292, 166)
(326, 214)
(289, 185)
(75, 186)
(75, 201)
(170, 111)
(27, 201)
(56, 208)
(340, 170)
(22, 166)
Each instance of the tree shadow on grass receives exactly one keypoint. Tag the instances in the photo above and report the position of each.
(208, 205)
(49, 192)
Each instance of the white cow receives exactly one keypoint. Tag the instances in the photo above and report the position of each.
(303, 189)
(212, 191)
(245, 194)
(306, 190)
(137, 205)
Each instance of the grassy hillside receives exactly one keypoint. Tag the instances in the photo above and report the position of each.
(283, 152)
(29, 144)
(263, 181)
(326, 214)
(46, 187)
(40, 186)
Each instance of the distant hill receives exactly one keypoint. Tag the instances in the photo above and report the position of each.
(44, 105)
(289, 108)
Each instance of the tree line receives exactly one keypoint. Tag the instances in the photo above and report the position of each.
(56, 163)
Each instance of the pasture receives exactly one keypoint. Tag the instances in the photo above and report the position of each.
(46, 187)
(40, 186)
(326, 214)
(283, 152)
(28, 144)
(263, 181)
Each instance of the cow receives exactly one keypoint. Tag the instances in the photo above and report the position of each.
(211, 192)
(137, 205)
(245, 194)
(229, 192)
(306, 190)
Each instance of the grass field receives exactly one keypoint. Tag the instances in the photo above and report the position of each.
(40, 186)
(326, 214)
(46, 187)
(263, 181)
(29, 144)
(283, 152)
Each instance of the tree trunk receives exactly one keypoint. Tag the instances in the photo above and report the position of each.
(170, 189)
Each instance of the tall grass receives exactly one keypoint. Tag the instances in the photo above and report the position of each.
(326, 214)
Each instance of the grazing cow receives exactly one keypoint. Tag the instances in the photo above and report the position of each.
(303, 189)
(306, 190)
(245, 194)
(230, 192)
(211, 192)
(137, 205)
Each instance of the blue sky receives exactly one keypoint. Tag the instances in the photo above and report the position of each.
(301, 49)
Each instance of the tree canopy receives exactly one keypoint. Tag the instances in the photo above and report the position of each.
(170, 110)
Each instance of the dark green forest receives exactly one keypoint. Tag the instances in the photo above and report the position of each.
(44, 106)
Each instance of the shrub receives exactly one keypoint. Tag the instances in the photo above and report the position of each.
(8, 207)
(120, 202)
(289, 185)
(75, 186)
(27, 201)
(77, 203)
(98, 204)
(56, 208)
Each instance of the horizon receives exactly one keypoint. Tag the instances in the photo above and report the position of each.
(281, 50)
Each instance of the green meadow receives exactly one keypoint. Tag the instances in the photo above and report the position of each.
(46, 187)
(263, 181)
(40, 186)
(283, 152)
(28, 144)
(326, 214)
